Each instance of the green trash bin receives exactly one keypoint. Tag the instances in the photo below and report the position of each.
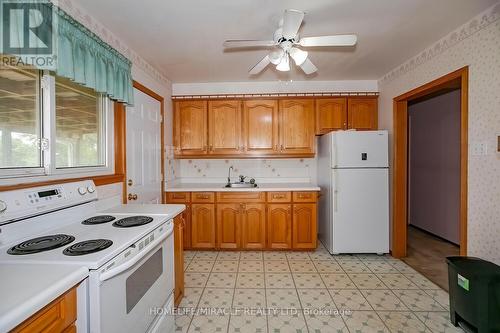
(474, 286)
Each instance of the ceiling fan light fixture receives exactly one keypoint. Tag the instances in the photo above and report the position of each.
(275, 56)
(298, 55)
(284, 65)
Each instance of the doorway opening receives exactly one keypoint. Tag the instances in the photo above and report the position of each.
(430, 174)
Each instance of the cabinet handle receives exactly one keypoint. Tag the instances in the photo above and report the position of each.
(281, 147)
(178, 196)
(289, 210)
(202, 196)
(278, 196)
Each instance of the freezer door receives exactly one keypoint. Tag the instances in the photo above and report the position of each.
(360, 149)
(360, 211)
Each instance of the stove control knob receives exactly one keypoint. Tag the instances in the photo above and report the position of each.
(3, 206)
(82, 190)
(90, 189)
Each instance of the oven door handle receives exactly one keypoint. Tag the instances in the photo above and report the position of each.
(117, 270)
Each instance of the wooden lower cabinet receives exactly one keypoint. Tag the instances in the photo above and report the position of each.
(57, 317)
(253, 226)
(228, 225)
(304, 229)
(186, 215)
(279, 226)
(203, 226)
(179, 258)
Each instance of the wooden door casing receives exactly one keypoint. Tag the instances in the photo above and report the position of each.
(304, 226)
(279, 226)
(203, 226)
(190, 128)
(224, 127)
(260, 127)
(228, 225)
(253, 226)
(297, 126)
(331, 115)
(362, 113)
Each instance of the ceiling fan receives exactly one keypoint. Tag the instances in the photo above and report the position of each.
(285, 45)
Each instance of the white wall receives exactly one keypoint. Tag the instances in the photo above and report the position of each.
(263, 87)
(477, 45)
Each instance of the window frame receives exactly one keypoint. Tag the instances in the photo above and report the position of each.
(46, 111)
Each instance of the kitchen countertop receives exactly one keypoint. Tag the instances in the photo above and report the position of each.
(262, 187)
(171, 210)
(27, 288)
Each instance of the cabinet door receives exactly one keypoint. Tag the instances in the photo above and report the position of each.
(228, 225)
(331, 115)
(297, 132)
(362, 113)
(187, 227)
(202, 226)
(304, 226)
(178, 258)
(224, 126)
(260, 127)
(190, 128)
(253, 227)
(279, 226)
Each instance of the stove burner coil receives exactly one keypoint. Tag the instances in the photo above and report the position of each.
(87, 247)
(132, 221)
(41, 244)
(99, 219)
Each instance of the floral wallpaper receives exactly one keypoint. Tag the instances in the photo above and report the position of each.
(266, 170)
(475, 44)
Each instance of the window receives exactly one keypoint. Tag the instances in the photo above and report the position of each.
(80, 135)
(20, 128)
(51, 126)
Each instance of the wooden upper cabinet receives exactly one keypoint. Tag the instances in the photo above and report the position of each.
(253, 226)
(297, 129)
(260, 127)
(190, 128)
(203, 226)
(331, 115)
(362, 113)
(228, 225)
(224, 127)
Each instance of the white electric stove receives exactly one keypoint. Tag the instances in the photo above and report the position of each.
(128, 251)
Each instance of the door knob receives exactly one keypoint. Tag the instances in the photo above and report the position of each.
(130, 182)
(132, 196)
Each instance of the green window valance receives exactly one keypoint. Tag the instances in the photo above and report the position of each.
(80, 54)
(86, 59)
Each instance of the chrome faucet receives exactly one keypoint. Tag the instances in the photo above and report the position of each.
(229, 174)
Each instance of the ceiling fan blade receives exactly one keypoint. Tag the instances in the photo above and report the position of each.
(248, 43)
(308, 67)
(292, 19)
(260, 66)
(334, 40)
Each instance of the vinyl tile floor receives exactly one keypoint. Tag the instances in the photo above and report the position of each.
(281, 292)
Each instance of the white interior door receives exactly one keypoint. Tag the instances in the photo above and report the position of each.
(144, 149)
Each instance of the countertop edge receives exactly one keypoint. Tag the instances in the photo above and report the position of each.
(20, 313)
(210, 188)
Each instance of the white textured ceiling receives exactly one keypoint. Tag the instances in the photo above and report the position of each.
(183, 39)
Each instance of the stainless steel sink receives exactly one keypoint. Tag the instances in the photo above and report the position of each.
(241, 185)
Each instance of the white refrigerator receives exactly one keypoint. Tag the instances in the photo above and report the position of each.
(354, 204)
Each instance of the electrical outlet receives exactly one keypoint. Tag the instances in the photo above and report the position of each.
(479, 148)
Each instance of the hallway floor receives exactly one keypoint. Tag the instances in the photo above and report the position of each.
(307, 292)
(427, 254)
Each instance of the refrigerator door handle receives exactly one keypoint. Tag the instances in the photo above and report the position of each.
(334, 190)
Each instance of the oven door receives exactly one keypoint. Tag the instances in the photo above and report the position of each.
(129, 294)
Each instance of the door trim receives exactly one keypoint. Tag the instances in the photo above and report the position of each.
(453, 80)
(160, 99)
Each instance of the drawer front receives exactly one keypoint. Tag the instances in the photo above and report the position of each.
(279, 196)
(305, 196)
(203, 197)
(178, 197)
(241, 196)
